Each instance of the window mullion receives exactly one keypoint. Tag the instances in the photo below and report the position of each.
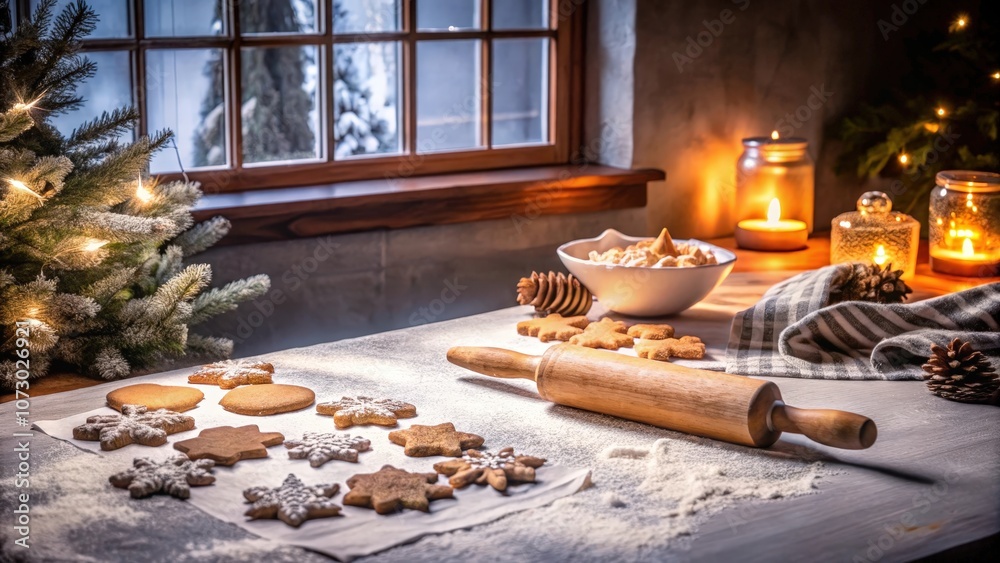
(235, 75)
(486, 76)
(326, 81)
(139, 65)
(410, 76)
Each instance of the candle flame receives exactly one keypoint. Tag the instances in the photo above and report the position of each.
(880, 256)
(774, 211)
(774, 135)
(967, 248)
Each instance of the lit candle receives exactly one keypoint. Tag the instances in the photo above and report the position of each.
(880, 256)
(967, 261)
(773, 233)
(775, 166)
(964, 235)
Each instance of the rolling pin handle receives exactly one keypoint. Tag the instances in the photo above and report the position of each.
(834, 428)
(495, 362)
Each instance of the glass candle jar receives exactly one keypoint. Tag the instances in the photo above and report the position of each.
(876, 233)
(965, 223)
(772, 168)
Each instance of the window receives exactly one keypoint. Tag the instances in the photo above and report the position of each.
(273, 93)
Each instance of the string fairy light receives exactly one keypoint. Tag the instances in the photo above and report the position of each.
(904, 158)
(959, 23)
(17, 184)
(996, 75)
(21, 106)
(92, 244)
(142, 193)
(941, 112)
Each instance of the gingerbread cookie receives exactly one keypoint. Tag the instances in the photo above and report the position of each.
(230, 374)
(321, 447)
(133, 425)
(153, 397)
(651, 332)
(606, 333)
(553, 327)
(267, 399)
(174, 476)
(496, 469)
(423, 441)
(685, 347)
(293, 502)
(392, 489)
(225, 445)
(349, 411)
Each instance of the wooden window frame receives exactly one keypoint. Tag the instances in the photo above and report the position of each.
(564, 88)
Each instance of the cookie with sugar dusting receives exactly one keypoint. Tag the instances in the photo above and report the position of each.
(390, 489)
(651, 332)
(423, 441)
(553, 327)
(293, 502)
(685, 347)
(321, 447)
(174, 476)
(495, 469)
(230, 374)
(135, 425)
(349, 411)
(607, 334)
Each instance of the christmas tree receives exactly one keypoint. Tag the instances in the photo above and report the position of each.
(92, 250)
(944, 116)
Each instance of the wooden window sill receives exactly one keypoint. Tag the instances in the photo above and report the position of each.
(282, 214)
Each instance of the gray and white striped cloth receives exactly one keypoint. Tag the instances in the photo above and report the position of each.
(794, 332)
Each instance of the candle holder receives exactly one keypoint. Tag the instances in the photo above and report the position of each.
(876, 233)
(771, 168)
(965, 223)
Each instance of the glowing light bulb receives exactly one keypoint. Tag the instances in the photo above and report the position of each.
(774, 211)
(142, 193)
(880, 256)
(941, 112)
(960, 22)
(93, 245)
(774, 135)
(996, 75)
(21, 106)
(967, 248)
(17, 184)
(904, 158)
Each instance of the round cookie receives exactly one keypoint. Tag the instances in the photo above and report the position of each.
(154, 397)
(267, 398)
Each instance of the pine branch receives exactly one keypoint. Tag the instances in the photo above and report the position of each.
(107, 125)
(227, 298)
(209, 347)
(202, 236)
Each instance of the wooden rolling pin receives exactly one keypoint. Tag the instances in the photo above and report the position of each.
(706, 403)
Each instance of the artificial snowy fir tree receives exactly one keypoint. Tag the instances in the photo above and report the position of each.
(91, 250)
(944, 117)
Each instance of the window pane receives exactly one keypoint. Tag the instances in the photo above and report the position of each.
(520, 91)
(520, 14)
(280, 104)
(448, 97)
(450, 15)
(277, 16)
(183, 18)
(185, 92)
(113, 16)
(366, 16)
(366, 98)
(108, 90)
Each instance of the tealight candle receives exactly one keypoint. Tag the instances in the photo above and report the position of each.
(773, 233)
(775, 167)
(875, 234)
(965, 224)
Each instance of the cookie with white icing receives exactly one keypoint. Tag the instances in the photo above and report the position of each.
(349, 411)
(495, 469)
(293, 502)
(321, 447)
(174, 476)
(230, 374)
(134, 425)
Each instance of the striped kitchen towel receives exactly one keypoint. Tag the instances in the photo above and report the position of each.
(793, 331)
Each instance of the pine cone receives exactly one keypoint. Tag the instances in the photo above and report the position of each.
(961, 374)
(554, 293)
(870, 282)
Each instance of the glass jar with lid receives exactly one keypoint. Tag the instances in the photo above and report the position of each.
(876, 234)
(964, 233)
(773, 168)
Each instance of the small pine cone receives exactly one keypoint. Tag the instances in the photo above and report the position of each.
(961, 374)
(872, 283)
(554, 293)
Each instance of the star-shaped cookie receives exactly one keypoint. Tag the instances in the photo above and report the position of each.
(133, 425)
(553, 327)
(349, 411)
(173, 476)
(321, 447)
(293, 502)
(230, 374)
(225, 445)
(651, 332)
(423, 441)
(606, 333)
(391, 489)
(495, 469)
(685, 347)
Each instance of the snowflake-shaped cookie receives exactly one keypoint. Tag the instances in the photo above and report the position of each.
(293, 502)
(230, 374)
(349, 411)
(321, 447)
(174, 476)
(495, 469)
(133, 425)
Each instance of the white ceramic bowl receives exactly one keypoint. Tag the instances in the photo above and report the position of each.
(643, 291)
